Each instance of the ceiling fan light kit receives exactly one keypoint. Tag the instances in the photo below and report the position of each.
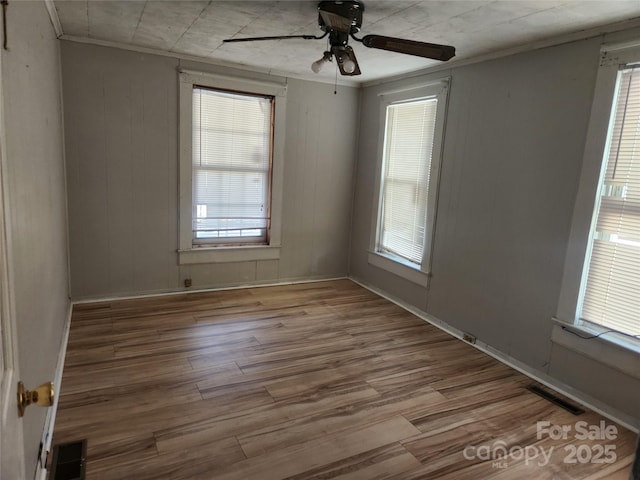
(318, 64)
(341, 20)
(346, 59)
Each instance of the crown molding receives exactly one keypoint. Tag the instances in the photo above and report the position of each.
(53, 15)
(194, 58)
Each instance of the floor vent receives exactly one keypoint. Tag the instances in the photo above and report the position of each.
(69, 461)
(570, 407)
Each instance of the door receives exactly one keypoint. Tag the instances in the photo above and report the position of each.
(11, 442)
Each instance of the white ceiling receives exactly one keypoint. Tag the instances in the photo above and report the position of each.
(197, 28)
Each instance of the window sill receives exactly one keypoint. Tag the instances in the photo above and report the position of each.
(400, 268)
(228, 254)
(615, 352)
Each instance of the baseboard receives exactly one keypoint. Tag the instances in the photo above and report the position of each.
(164, 293)
(594, 404)
(50, 419)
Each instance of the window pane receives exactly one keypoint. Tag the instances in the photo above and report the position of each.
(405, 183)
(612, 288)
(231, 166)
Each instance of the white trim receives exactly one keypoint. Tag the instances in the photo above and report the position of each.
(400, 268)
(273, 88)
(342, 81)
(188, 254)
(438, 88)
(608, 350)
(415, 91)
(205, 290)
(8, 335)
(228, 254)
(597, 406)
(7, 302)
(50, 420)
(185, 175)
(614, 46)
(583, 210)
(55, 19)
(64, 166)
(619, 54)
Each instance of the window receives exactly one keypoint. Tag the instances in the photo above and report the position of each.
(405, 178)
(413, 124)
(600, 293)
(231, 155)
(231, 167)
(610, 294)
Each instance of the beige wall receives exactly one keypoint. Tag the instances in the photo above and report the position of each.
(121, 113)
(36, 200)
(513, 150)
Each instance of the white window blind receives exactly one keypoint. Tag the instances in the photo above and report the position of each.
(612, 284)
(408, 150)
(232, 135)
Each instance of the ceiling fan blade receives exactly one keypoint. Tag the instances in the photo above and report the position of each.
(279, 37)
(410, 47)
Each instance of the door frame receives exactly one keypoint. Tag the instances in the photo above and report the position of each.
(12, 463)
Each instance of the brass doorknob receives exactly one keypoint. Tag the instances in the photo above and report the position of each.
(41, 396)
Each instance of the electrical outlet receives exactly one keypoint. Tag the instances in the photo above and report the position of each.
(467, 337)
(187, 282)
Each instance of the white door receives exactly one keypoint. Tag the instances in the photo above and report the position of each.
(11, 444)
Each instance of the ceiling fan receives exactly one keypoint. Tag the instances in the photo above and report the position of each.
(343, 19)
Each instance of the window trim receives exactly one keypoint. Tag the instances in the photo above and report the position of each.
(188, 252)
(415, 273)
(577, 255)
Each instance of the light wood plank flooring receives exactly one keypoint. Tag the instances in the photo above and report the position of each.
(312, 381)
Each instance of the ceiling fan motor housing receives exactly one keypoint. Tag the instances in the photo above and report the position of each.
(342, 16)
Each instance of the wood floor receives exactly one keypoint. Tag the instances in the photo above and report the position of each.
(312, 381)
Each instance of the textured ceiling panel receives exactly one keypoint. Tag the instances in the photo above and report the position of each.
(198, 28)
